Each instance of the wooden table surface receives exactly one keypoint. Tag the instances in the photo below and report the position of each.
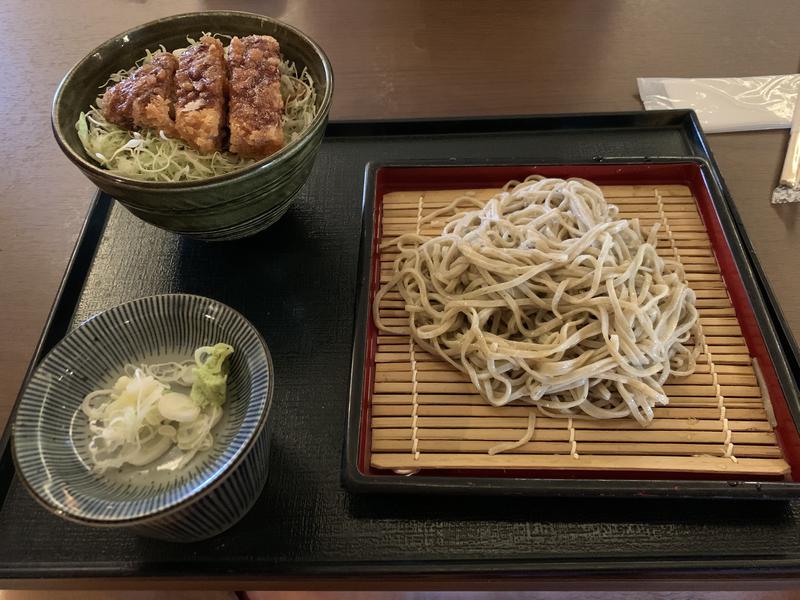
(392, 60)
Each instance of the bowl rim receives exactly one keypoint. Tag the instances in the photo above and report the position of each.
(282, 155)
(197, 494)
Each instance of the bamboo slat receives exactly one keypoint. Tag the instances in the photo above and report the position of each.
(426, 414)
(684, 464)
(594, 448)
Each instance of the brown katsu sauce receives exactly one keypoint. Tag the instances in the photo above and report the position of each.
(201, 87)
(200, 96)
(256, 106)
(145, 99)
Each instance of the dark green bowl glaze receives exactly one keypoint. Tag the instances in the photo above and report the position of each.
(225, 207)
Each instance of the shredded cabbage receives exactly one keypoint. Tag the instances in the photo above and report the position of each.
(152, 156)
(141, 417)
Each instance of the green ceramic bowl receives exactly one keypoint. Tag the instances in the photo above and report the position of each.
(224, 207)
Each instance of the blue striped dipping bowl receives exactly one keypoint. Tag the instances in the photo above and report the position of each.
(215, 490)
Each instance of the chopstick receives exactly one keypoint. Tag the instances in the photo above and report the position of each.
(788, 189)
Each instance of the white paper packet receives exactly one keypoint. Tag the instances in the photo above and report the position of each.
(727, 103)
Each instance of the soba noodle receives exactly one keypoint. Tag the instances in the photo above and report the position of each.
(545, 296)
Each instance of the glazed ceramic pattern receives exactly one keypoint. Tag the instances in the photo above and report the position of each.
(51, 432)
(224, 207)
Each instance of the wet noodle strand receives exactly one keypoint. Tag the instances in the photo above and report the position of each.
(544, 295)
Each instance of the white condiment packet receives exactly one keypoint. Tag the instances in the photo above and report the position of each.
(726, 104)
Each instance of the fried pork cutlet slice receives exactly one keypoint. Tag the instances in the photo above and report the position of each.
(201, 83)
(256, 106)
(145, 99)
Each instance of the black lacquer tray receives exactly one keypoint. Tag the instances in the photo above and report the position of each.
(297, 283)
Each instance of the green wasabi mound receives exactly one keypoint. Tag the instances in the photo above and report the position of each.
(211, 375)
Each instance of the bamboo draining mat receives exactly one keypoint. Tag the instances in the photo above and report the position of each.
(427, 415)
